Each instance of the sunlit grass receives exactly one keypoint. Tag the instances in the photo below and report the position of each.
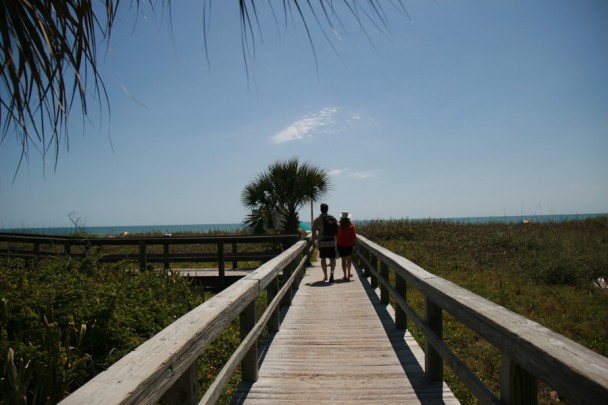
(543, 271)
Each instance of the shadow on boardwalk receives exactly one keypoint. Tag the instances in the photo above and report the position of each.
(410, 355)
(338, 344)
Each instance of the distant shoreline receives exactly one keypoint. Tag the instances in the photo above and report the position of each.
(207, 228)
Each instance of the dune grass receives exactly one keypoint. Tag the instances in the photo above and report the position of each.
(543, 271)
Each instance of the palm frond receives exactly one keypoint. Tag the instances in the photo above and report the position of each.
(49, 56)
(49, 63)
(275, 196)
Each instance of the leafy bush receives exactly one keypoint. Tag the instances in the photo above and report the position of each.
(66, 320)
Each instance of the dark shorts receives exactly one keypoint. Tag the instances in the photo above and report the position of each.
(345, 251)
(327, 248)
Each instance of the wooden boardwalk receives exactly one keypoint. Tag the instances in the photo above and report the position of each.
(338, 345)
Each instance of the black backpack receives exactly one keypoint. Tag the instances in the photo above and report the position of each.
(330, 226)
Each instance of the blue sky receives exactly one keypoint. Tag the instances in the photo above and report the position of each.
(468, 108)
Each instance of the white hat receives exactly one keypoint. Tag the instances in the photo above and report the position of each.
(345, 215)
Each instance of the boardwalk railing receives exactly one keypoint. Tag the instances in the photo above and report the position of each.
(529, 351)
(165, 367)
(148, 250)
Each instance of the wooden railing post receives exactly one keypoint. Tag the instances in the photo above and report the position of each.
(221, 265)
(368, 256)
(374, 279)
(286, 274)
(433, 315)
(142, 255)
(249, 366)
(308, 256)
(517, 385)
(308, 251)
(36, 253)
(235, 263)
(384, 296)
(275, 320)
(295, 286)
(400, 316)
(358, 254)
(166, 253)
(185, 391)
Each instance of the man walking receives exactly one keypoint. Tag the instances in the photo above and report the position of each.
(324, 230)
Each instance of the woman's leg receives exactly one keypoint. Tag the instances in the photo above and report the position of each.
(348, 265)
(344, 265)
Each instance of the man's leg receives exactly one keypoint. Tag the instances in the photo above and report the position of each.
(332, 263)
(324, 268)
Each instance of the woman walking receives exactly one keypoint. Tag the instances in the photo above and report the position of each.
(345, 239)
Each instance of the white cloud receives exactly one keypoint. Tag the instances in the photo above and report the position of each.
(336, 172)
(364, 174)
(355, 174)
(305, 128)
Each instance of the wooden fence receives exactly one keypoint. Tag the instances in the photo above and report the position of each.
(529, 351)
(165, 367)
(146, 251)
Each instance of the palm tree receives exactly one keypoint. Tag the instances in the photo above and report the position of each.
(275, 196)
(48, 55)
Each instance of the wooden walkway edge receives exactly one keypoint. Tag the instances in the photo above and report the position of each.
(338, 345)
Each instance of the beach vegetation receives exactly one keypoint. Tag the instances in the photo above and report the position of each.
(553, 273)
(65, 320)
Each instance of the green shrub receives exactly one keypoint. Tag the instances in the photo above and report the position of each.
(67, 320)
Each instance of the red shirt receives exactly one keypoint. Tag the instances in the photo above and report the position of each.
(346, 236)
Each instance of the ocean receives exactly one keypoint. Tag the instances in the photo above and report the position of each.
(207, 228)
(130, 229)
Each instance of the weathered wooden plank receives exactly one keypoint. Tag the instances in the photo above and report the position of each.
(266, 273)
(196, 273)
(333, 348)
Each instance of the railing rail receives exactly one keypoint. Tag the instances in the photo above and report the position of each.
(220, 249)
(165, 367)
(528, 350)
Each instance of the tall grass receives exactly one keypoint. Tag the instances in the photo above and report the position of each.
(543, 271)
(66, 320)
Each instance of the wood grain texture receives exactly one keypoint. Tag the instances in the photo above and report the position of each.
(338, 344)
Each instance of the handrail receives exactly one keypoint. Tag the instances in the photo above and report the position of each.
(133, 240)
(45, 246)
(529, 351)
(165, 367)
